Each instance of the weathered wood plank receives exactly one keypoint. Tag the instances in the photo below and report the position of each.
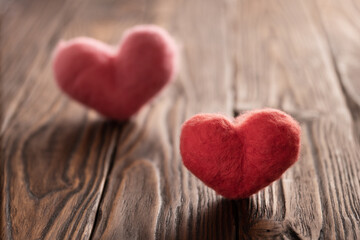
(68, 174)
(284, 61)
(341, 22)
(29, 31)
(55, 154)
(185, 208)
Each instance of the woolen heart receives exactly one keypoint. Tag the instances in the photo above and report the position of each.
(239, 157)
(116, 82)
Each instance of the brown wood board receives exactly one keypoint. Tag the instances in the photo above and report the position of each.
(67, 173)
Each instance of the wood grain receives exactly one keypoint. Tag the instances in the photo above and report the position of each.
(183, 203)
(56, 155)
(67, 173)
(283, 50)
(341, 26)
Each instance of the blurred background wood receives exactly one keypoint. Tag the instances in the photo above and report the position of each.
(67, 173)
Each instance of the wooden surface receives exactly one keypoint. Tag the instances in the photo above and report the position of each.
(66, 173)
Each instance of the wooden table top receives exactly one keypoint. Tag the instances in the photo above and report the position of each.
(67, 173)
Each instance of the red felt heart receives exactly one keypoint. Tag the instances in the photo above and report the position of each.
(116, 82)
(239, 157)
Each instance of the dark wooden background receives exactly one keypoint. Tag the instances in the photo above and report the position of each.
(66, 173)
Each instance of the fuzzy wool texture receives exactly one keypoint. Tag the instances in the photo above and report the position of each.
(239, 157)
(116, 82)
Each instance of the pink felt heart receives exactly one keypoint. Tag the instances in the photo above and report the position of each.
(116, 82)
(239, 157)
